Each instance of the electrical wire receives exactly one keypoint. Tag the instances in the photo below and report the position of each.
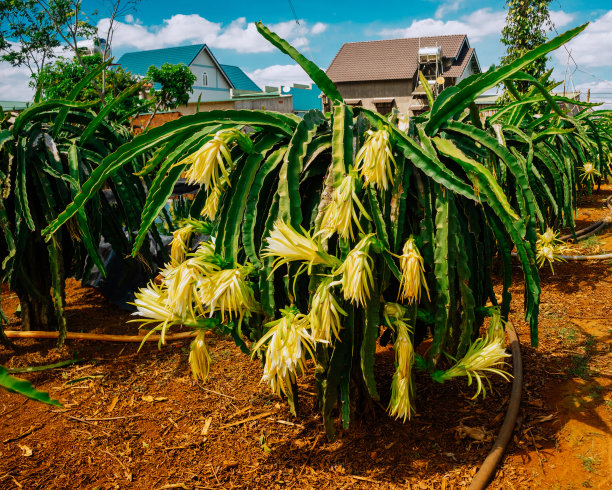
(301, 29)
(576, 67)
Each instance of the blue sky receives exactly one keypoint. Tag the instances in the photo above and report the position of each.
(325, 25)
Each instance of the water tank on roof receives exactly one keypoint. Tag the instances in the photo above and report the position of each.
(428, 54)
(89, 47)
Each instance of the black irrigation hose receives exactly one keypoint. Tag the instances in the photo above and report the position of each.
(586, 232)
(593, 228)
(487, 468)
(589, 231)
(585, 257)
(578, 258)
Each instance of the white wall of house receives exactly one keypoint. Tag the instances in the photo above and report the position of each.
(209, 81)
(469, 69)
(282, 103)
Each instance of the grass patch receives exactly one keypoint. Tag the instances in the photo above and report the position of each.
(591, 243)
(579, 364)
(590, 461)
(568, 335)
(579, 367)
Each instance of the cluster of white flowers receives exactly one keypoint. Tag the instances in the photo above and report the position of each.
(355, 277)
(289, 340)
(192, 288)
(200, 284)
(485, 355)
(549, 248)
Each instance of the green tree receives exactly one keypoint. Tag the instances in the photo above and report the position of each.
(27, 35)
(176, 83)
(57, 80)
(525, 29)
(33, 31)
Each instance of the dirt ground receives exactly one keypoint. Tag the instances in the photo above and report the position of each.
(137, 419)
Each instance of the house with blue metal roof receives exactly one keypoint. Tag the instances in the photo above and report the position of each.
(214, 81)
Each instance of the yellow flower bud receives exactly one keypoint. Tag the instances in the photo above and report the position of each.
(325, 313)
(288, 245)
(341, 213)
(357, 278)
(374, 159)
(212, 202)
(180, 243)
(413, 272)
(400, 405)
(199, 358)
(496, 331)
(212, 160)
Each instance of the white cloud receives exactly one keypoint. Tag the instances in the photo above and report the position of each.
(277, 75)
(593, 47)
(448, 7)
(601, 91)
(560, 18)
(14, 83)
(133, 35)
(129, 18)
(476, 25)
(319, 28)
(244, 38)
(180, 29)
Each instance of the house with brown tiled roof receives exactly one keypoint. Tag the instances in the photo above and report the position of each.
(382, 75)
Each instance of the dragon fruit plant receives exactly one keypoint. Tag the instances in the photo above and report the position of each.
(333, 231)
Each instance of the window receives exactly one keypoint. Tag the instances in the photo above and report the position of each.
(205, 79)
(384, 108)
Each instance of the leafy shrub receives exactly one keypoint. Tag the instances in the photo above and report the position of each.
(46, 154)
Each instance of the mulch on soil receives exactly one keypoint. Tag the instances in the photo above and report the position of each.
(138, 420)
